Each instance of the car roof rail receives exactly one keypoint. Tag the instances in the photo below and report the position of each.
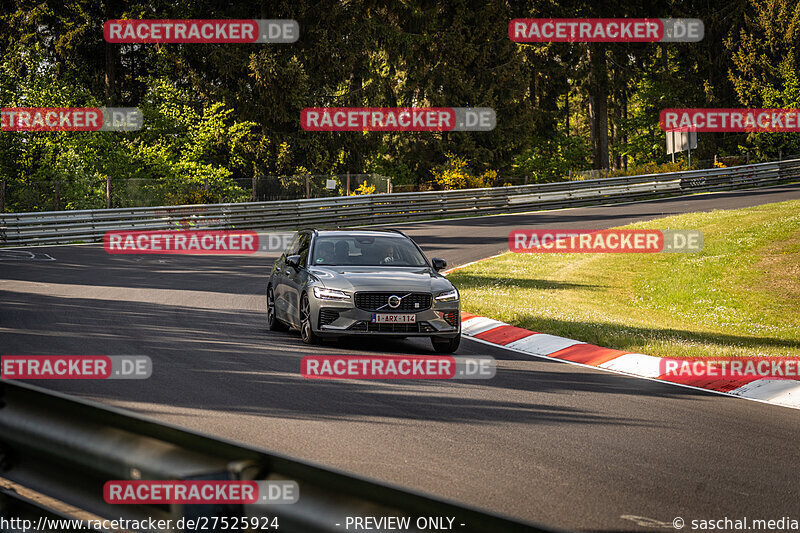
(392, 230)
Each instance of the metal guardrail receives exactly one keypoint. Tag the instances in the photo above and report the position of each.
(66, 449)
(58, 227)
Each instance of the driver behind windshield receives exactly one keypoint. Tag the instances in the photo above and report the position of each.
(386, 255)
(341, 253)
(367, 251)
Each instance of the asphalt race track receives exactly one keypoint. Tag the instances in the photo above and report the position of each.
(554, 443)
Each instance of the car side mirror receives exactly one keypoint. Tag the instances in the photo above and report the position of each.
(293, 261)
(439, 264)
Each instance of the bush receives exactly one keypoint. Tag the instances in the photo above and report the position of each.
(551, 159)
(456, 174)
(364, 188)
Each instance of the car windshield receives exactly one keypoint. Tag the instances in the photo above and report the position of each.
(366, 250)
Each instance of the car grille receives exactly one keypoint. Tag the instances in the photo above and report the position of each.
(370, 327)
(372, 301)
(327, 316)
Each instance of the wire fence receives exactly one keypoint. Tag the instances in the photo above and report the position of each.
(316, 186)
(681, 163)
(108, 192)
(348, 211)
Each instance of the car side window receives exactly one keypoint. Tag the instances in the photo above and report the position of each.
(303, 248)
(293, 247)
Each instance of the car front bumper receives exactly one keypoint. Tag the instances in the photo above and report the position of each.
(337, 319)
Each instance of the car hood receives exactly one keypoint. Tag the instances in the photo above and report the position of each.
(389, 279)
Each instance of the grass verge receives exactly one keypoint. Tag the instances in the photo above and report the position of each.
(740, 296)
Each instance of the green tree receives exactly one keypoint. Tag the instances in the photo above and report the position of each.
(766, 59)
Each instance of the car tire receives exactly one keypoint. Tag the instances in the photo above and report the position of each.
(445, 345)
(273, 322)
(306, 329)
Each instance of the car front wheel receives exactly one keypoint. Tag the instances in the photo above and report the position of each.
(445, 345)
(306, 332)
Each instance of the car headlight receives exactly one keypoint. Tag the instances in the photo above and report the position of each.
(322, 293)
(448, 296)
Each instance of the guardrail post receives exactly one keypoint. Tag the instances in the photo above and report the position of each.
(253, 195)
(108, 192)
(348, 184)
(2, 196)
(58, 195)
(308, 185)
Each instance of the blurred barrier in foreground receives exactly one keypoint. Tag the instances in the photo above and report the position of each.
(59, 227)
(66, 449)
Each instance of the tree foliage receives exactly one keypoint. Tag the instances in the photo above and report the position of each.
(219, 116)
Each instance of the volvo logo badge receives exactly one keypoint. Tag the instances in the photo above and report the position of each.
(394, 301)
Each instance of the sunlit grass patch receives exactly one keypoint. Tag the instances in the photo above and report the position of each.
(740, 296)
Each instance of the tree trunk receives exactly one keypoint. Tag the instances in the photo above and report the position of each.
(598, 110)
(110, 75)
(625, 133)
(593, 128)
(617, 131)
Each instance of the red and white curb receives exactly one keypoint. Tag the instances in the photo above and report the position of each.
(784, 392)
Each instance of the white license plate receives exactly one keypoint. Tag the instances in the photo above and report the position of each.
(394, 318)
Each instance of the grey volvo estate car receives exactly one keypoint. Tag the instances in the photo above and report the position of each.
(335, 283)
